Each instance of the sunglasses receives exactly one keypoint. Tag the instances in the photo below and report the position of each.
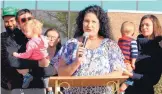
(23, 20)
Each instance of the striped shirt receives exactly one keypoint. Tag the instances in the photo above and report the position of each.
(128, 47)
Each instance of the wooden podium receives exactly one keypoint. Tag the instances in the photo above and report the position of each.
(79, 81)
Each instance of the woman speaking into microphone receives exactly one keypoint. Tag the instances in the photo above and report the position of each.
(90, 52)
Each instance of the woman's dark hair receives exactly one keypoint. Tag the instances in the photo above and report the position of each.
(157, 29)
(58, 46)
(21, 12)
(104, 30)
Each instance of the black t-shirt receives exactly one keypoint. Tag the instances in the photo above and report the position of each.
(16, 42)
(149, 64)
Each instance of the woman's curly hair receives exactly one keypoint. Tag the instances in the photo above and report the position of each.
(104, 30)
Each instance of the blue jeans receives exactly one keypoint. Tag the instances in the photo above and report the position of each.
(129, 81)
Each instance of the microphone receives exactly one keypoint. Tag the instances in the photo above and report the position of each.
(85, 38)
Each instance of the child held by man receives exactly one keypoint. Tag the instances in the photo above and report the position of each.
(36, 48)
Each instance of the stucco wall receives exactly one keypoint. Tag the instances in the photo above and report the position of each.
(117, 18)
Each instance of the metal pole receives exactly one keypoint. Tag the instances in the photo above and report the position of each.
(136, 4)
(3, 2)
(68, 19)
(36, 6)
(101, 4)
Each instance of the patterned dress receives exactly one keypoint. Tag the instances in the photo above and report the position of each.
(99, 61)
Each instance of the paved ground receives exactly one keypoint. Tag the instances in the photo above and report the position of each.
(158, 87)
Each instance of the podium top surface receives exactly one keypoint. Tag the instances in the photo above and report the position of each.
(86, 77)
(71, 81)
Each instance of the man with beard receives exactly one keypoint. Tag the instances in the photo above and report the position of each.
(9, 17)
(14, 40)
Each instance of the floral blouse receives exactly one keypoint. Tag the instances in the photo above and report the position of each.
(99, 61)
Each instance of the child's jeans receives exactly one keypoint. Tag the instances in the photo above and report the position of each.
(129, 81)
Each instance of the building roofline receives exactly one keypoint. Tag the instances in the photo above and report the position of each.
(135, 11)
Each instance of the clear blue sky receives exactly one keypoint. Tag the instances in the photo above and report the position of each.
(76, 5)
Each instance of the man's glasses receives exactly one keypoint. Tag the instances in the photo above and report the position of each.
(23, 20)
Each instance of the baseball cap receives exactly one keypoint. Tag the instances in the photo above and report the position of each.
(9, 11)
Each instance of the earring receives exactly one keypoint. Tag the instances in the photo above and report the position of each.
(160, 43)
